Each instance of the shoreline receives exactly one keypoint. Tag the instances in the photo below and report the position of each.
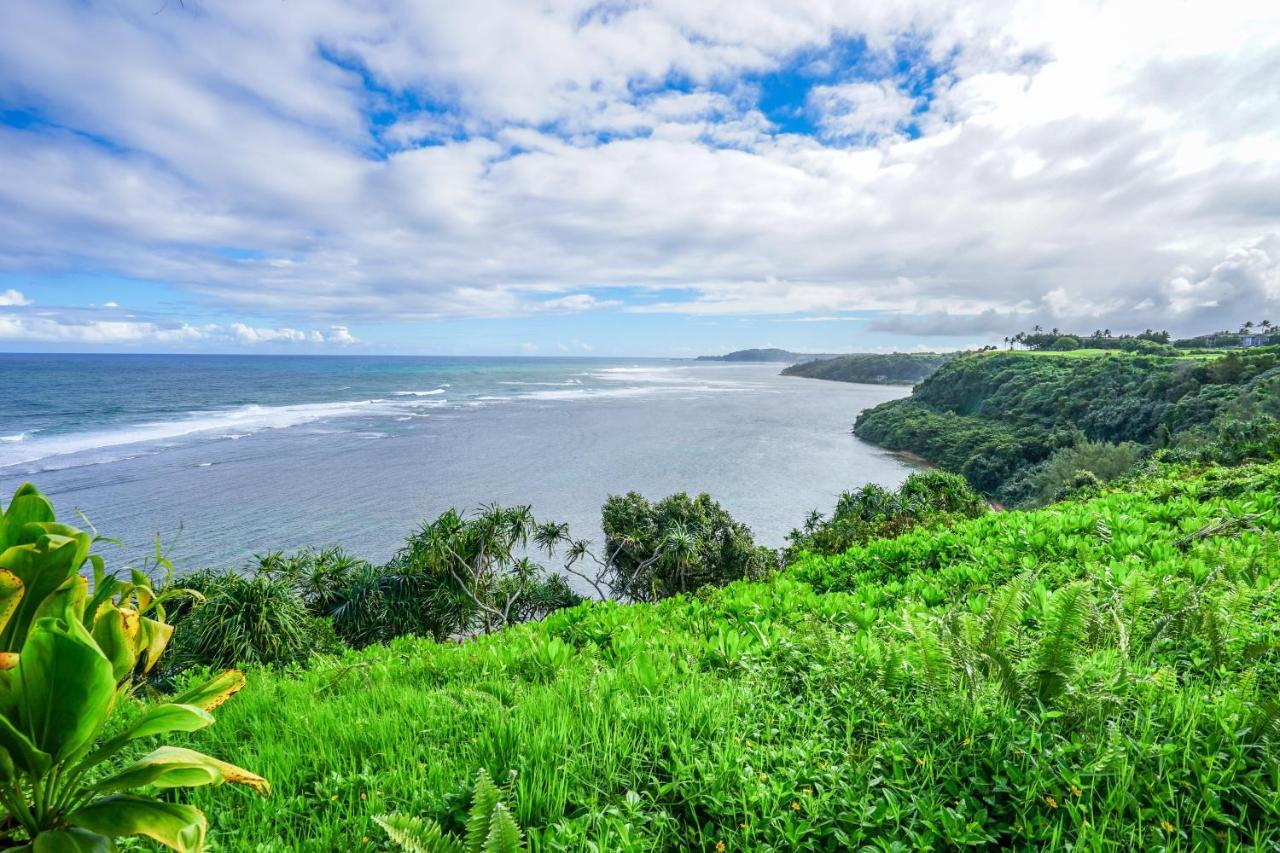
(913, 459)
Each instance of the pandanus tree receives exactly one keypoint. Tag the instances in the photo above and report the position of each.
(655, 550)
(69, 650)
(482, 560)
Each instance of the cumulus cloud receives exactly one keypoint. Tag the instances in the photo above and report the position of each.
(1076, 159)
(862, 111)
(285, 335)
(12, 297)
(250, 335)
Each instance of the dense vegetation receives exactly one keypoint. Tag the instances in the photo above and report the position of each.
(1021, 426)
(1096, 674)
(872, 368)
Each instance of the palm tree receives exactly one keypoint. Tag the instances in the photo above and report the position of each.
(1106, 333)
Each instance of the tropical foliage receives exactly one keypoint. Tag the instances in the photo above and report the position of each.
(68, 654)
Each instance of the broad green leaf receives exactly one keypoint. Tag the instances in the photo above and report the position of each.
(27, 505)
(159, 719)
(33, 531)
(115, 631)
(213, 692)
(42, 567)
(104, 588)
(8, 683)
(65, 602)
(74, 840)
(176, 826)
(153, 638)
(11, 590)
(142, 590)
(175, 767)
(21, 750)
(65, 687)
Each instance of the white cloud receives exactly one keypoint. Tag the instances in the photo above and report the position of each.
(251, 335)
(1075, 159)
(284, 335)
(861, 110)
(12, 297)
(341, 335)
(103, 332)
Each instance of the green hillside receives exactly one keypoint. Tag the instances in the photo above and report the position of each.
(1098, 674)
(1015, 423)
(872, 368)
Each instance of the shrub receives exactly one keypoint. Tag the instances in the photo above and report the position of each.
(258, 619)
(874, 512)
(1083, 464)
(318, 576)
(1066, 343)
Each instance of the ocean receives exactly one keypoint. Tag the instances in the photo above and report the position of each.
(227, 456)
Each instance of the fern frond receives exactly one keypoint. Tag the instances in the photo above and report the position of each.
(415, 835)
(1004, 613)
(1266, 720)
(484, 799)
(928, 656)
(1006, 676)
(1060, 645)
(504, 832)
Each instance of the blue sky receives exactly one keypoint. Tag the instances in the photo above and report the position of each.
(647, 178)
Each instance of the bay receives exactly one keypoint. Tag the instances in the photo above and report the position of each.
(227, 456)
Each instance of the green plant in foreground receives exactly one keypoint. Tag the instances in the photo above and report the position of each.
(490, 827)
(67, 655)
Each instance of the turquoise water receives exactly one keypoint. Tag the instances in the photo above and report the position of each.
(225, 456)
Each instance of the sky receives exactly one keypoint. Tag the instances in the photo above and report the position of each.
(666, 178)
